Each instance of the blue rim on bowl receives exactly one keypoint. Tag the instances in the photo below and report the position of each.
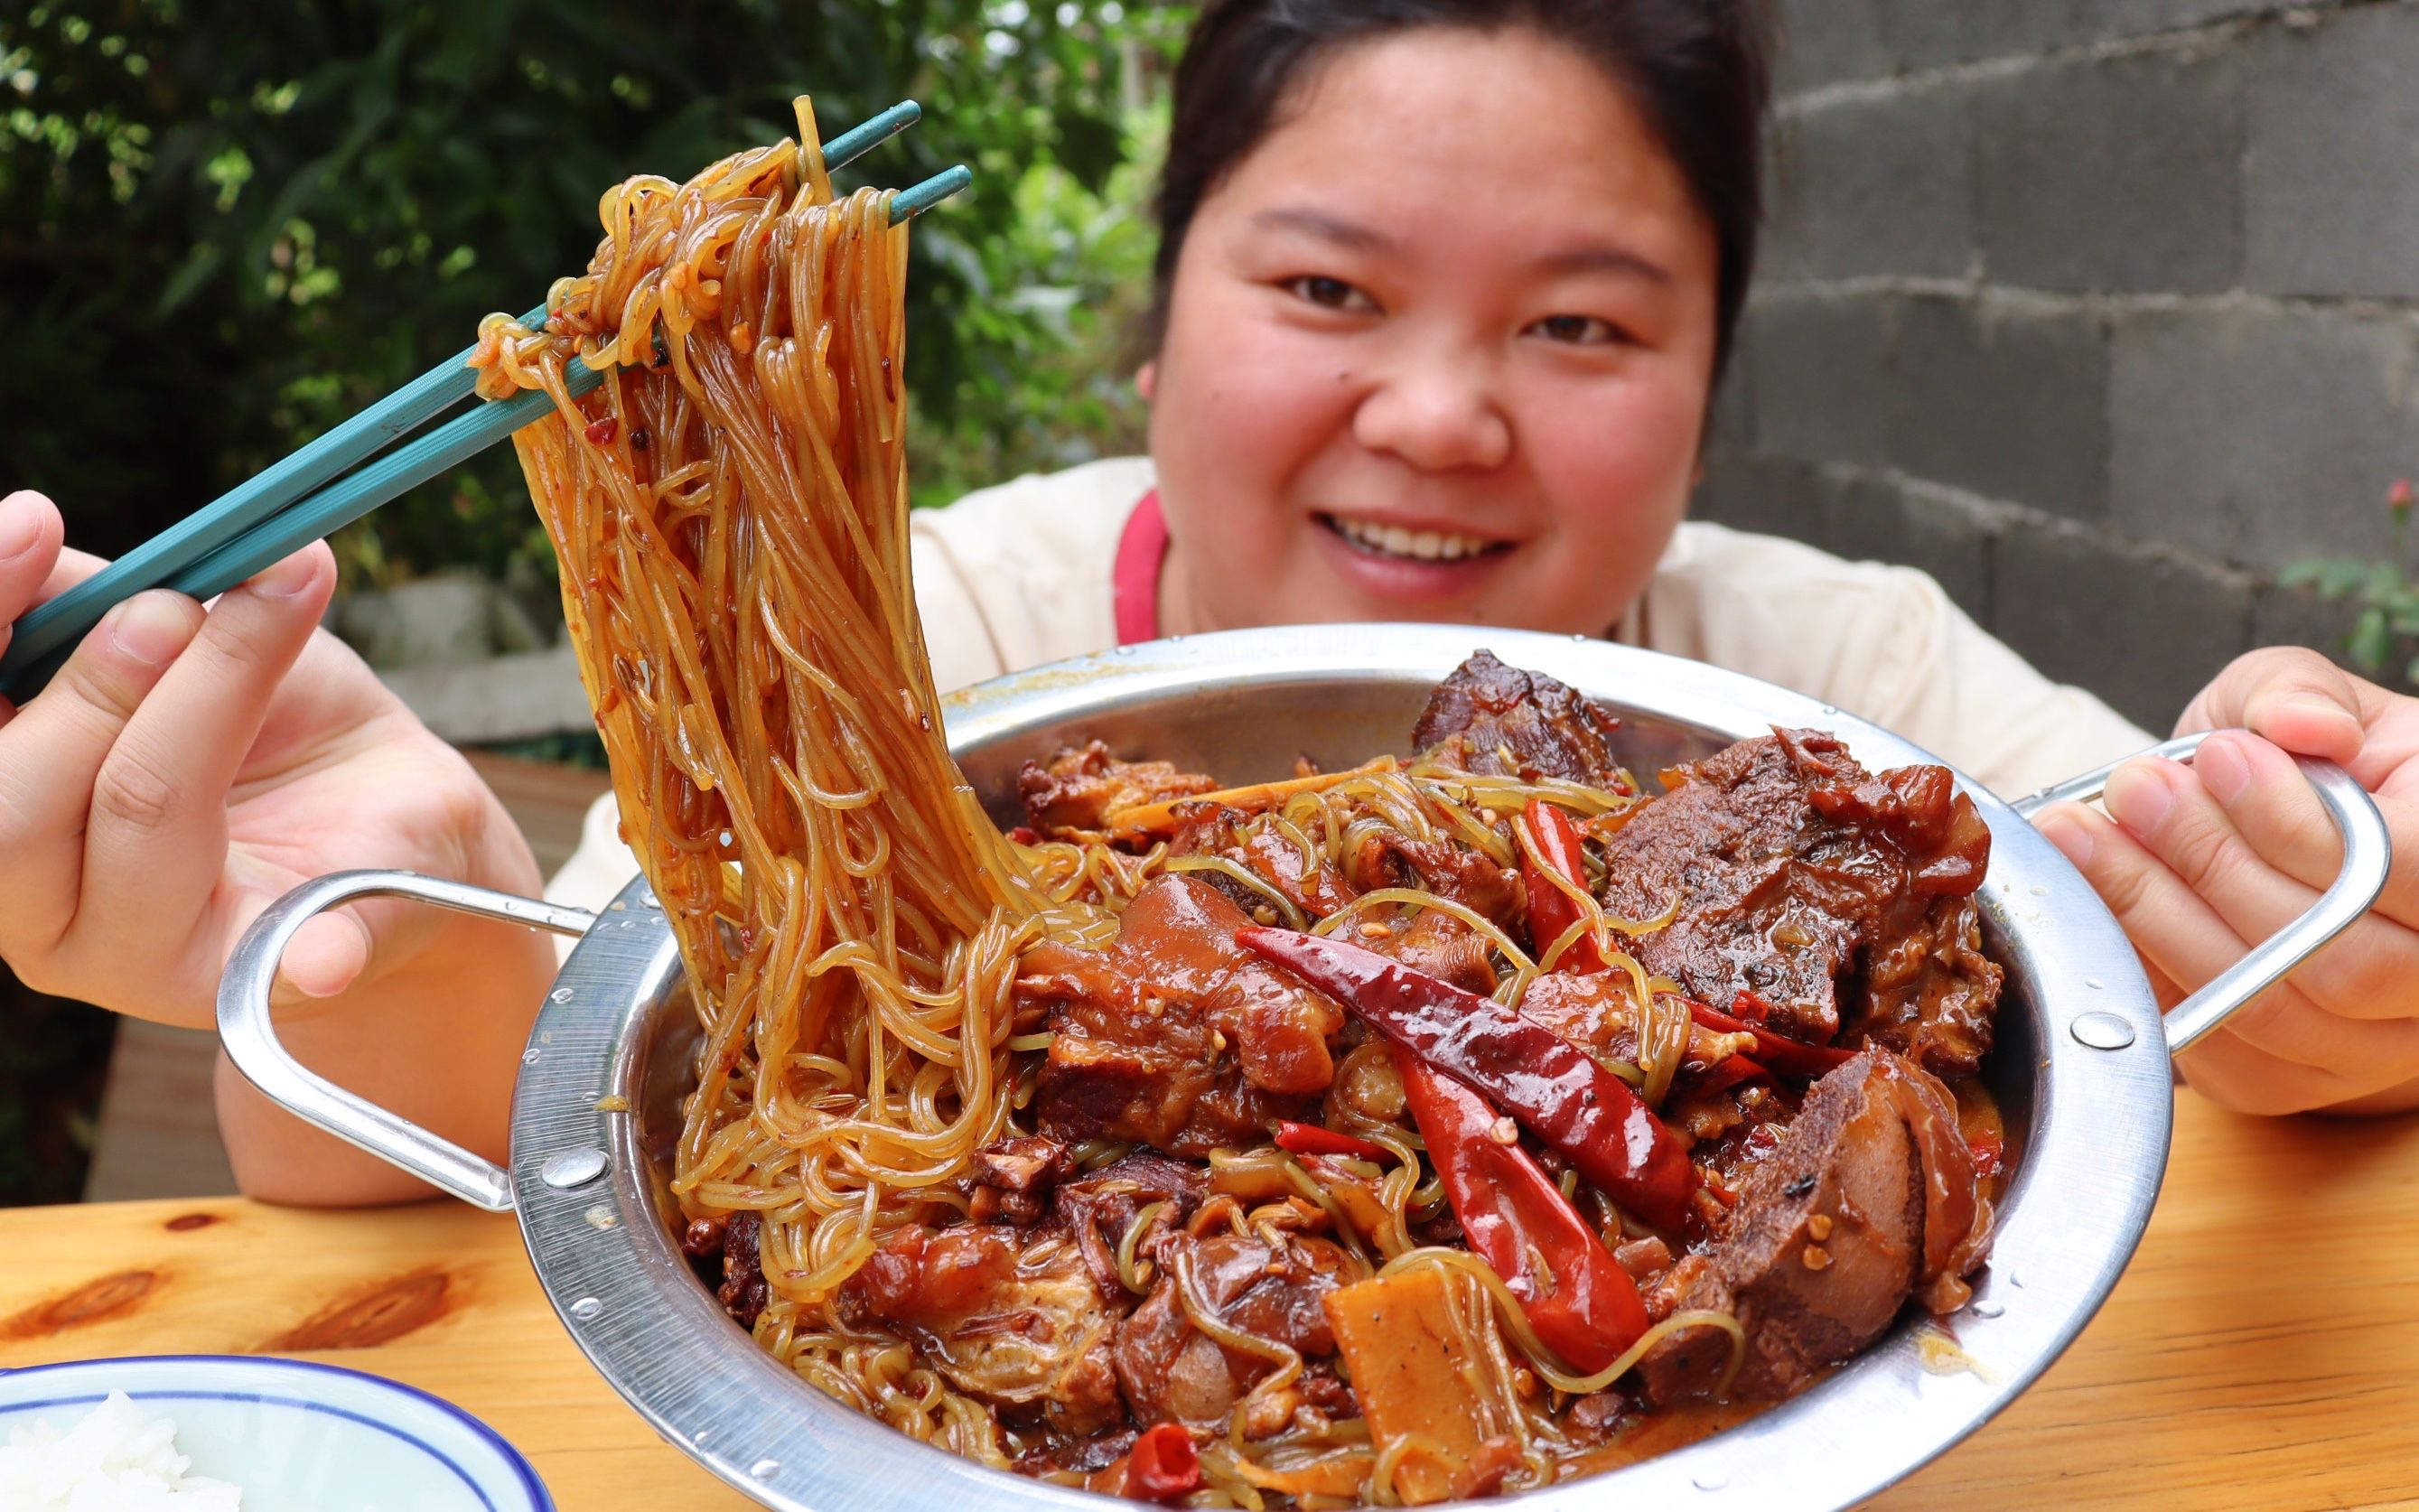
(482, 1461)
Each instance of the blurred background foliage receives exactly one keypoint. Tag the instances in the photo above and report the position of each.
(225, 226)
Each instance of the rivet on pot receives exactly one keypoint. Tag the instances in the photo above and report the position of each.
(1987, 1308)
(572, 1167)
(586, 1308)
(1710, 1480)
(2101, 1032)
(764, 1469)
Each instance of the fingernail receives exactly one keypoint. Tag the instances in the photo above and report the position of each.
(150, 628)
(2138, 800)
(21, 525)
(283, 580)
(2073, 840)
(2222, 770)
(2320, 707)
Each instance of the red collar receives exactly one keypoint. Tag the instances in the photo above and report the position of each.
(1135, 581)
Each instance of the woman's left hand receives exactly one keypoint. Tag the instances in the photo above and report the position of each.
(2204, 861)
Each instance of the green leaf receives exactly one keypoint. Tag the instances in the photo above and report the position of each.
(199, 267)
(2371, 640)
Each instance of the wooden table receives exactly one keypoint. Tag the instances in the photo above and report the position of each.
(2262, 1352)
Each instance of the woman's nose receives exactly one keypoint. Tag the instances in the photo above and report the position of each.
(1437, 408)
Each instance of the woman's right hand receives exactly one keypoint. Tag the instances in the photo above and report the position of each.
(186, 768)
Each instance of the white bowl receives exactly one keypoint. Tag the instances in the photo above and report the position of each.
(296, 1437)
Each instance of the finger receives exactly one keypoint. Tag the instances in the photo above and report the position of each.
(52, 751)
(2176, 932)
(2272, 804)
(2363, 974)
(2235, 1074)
(35, 576)
(155, 845)
(2291, 695)
(30, 535)
(2182, 940)
(328, 955)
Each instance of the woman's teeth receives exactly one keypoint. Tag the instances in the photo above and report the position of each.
(1418, 546)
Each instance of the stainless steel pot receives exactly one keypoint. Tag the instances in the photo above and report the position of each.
(2081, 1071)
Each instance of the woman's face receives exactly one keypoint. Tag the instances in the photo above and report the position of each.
(1437, 349)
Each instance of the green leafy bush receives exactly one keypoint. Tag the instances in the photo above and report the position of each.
(225, 226)
(2387, 626)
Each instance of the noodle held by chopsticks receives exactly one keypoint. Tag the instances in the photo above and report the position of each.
(729, 508)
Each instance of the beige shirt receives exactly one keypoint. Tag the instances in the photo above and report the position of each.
(1012, 576)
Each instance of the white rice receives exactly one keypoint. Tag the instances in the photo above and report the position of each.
(115, 1460)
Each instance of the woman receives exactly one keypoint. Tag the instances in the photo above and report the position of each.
(1444, 291)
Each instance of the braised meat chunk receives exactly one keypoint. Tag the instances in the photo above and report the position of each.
(1080, 792)
(1271, 1291)
(1102, 1207)
(1497, 721)
(1829, 898)
(1389, 858)
(744, 1291)
(1312, 884)
(1023, 1329)
(1176, 1036)
(1862, 1202)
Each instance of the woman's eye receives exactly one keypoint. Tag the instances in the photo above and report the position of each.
(1578, 329)
(1328, 293)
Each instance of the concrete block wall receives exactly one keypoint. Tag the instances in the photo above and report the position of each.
(2100, 311)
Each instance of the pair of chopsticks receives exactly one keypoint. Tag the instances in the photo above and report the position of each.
(278, 513)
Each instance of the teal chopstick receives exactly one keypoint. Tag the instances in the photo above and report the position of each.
(406, 467)
(174, 552)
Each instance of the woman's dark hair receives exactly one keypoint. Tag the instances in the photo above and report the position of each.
(1697, 69)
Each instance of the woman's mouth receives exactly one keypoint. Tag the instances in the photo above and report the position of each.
(1402, 543)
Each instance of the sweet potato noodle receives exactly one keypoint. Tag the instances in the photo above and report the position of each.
(1036, 1149)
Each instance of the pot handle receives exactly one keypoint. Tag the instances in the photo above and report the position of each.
(2368, 854)
(251, 1038)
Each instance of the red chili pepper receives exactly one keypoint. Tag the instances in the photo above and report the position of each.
(1543, 1080)
(1314, 1139)
(1990, 1151)
(1730, 1071)
(1790, 1058)
(1162, 1465)
(1750, 1005)
(601, 432)
(1577, 1297)
(1551, 911)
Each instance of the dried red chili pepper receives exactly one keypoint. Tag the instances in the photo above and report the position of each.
(1162, 1465)
(1543, 1080)
(1578, 1299)
(1552, 911)
(1790, 1058)
(1315, 1139)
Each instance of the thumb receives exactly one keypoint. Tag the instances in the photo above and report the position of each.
(326, 956)
(2292, 696)
(335, 952)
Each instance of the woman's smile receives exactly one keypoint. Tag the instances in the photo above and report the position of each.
(1413, 562)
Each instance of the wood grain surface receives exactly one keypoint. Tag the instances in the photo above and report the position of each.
(2262, 1354)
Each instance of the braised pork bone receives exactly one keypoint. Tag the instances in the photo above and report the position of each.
(1835, 900)
(1867, 1199)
